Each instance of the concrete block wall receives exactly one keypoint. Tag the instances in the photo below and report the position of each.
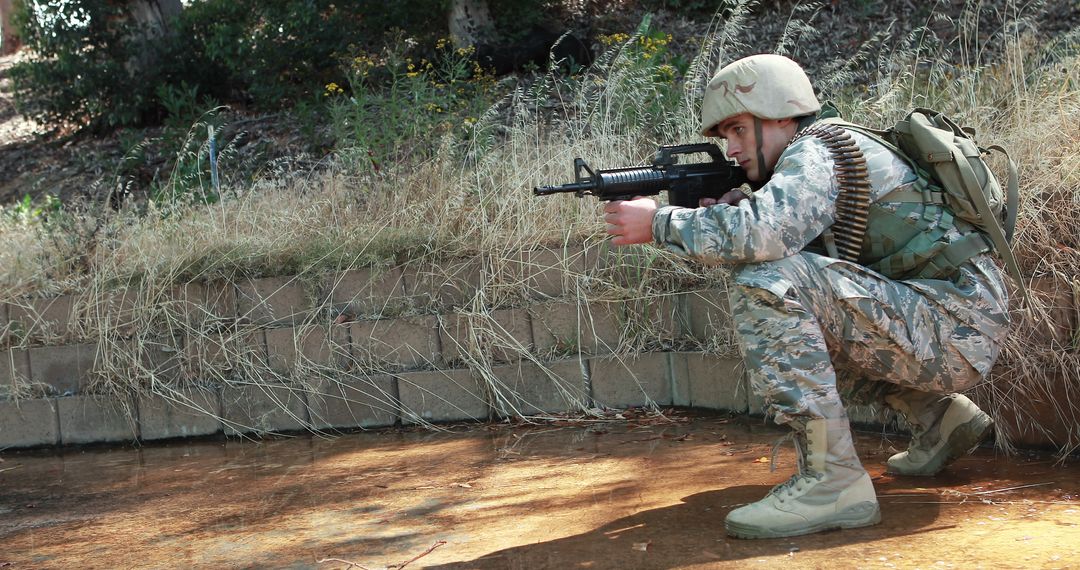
(358, 400)
(364, 348)
(361, 348)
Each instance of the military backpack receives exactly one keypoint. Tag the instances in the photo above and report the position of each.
(953, 166)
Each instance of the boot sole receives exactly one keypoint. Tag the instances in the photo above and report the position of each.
(965, 438)
(859, 517)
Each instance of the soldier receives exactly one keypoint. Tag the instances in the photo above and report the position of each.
(925, 323)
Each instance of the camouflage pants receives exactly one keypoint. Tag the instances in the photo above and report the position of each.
(806, 320)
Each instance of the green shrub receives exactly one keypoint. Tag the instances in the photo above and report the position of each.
(79, 73)
(392, 105)
(91, 66)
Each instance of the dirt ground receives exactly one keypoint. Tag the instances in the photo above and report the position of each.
(641, 493)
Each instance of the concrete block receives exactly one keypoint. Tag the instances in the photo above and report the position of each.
(354, 401)
(113, 313)
(1037, 417)
(591, 255)
(263, 408)
(568, 328)
(396, 344)
(273, 301)
(654, 319)
(509, 334)
(163, 358)
(282, 349)
(309, 345)
(143, 361)
(28, 423)
(705, 316)
(5, 326)
(366, 292)
(211, 356)
(89, 419)
(221, 301)
(44, 320)
(458, 339)
(441, 396)
(1058, 297)
(450, 284)
(65, 369)
(14, 371)
(620, 382)
(541, 273)
(529, 389)
(199, 305)
(598, 257)
(552, 272)
(704, 380)
(499, 336)
(604, 324)
(625, 266)
(188, 412)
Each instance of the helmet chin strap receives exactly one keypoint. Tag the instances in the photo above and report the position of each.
(760, 154)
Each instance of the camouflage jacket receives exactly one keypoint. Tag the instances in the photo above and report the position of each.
(798, 203)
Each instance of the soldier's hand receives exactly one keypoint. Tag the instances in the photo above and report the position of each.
(630, 221)
(731, 198)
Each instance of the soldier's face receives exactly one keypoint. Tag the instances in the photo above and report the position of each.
(742, 143)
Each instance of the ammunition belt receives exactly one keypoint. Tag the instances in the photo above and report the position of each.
(853, 201)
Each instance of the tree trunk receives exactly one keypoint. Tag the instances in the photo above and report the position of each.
(470, 23)
(9, 39)
(154, 15)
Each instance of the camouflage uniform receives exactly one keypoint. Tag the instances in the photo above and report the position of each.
(803, 318)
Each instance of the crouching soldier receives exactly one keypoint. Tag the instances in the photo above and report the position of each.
(844, 265)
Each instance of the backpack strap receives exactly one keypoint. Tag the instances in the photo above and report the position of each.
(1012, 197)
(947, 262)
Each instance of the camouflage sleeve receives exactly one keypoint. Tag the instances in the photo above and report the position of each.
(792, 209)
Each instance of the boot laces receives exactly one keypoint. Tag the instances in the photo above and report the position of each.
(803, 473)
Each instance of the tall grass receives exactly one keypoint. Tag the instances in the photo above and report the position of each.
(471, 196)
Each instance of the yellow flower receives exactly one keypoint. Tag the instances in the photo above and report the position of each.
(613, 39)
(665, 73)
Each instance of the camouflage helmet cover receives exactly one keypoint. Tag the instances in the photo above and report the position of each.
(767, 86)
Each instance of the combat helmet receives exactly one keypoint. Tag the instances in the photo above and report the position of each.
(767, 86)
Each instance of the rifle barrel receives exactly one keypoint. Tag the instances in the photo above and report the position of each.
(572, 187)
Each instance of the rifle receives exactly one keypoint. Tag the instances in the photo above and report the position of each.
(685, 183)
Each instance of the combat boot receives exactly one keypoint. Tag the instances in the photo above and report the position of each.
(830, 490)
(943, 428)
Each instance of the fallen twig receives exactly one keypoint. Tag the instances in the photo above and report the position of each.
(437, 544)
(351, 564)
(992, 491)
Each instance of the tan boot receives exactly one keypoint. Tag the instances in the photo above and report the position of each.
(943, 428)
(831, 490)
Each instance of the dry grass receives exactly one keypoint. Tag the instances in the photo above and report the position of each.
(473, 200)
